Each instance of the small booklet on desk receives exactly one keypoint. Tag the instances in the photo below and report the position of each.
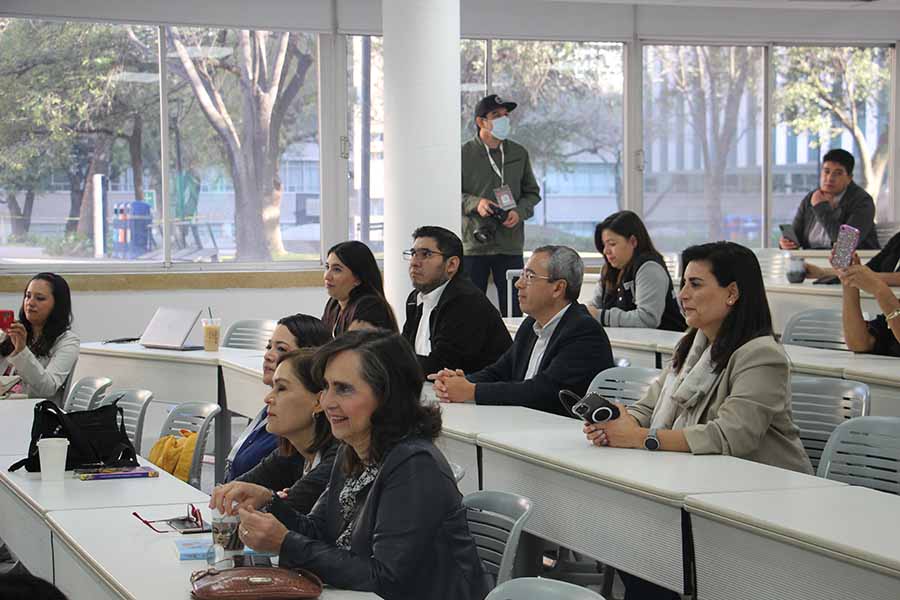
(197, 548)
(7, 382)
(115, 473)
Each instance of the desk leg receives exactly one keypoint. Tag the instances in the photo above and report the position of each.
(223, 432)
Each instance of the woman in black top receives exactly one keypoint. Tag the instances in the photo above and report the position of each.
(635, 289)
(391, 520)
(295, 416)
(354, 284)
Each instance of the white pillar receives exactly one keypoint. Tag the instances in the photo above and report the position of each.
(421, 129)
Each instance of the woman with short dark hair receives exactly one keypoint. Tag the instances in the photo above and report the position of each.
(635, 289)
(40, 347)
(356, 290)
(391, 520)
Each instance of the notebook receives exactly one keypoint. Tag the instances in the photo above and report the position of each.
(171, 328)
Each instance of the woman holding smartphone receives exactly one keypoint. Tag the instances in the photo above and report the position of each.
(40, 347)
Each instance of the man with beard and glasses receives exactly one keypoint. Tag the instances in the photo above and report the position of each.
(450, 323)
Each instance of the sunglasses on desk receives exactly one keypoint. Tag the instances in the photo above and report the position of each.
(191, 523)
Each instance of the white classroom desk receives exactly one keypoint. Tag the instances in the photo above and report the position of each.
(133, 563)
(787, 299)
(620, 506)
(16, 418)
(464, 422)
(814, 544)
(25, 501)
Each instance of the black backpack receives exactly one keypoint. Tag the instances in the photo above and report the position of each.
(97, 438)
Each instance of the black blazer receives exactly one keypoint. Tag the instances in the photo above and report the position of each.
(577, 351)
(467, 331)
(411, 540)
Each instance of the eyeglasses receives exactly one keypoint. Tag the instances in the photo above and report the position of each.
(529, 277)
(194, 518)
(421, 253)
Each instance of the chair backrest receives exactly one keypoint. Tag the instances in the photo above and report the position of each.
(885, 231)
(623, 384)
(458, 471)
(864, 451)
(673, 264)
(495, 521)
(250, 334)
(538, 588)
(87, 393)
(816, 328)
(820, 404)
(193, 416)
(134, 407)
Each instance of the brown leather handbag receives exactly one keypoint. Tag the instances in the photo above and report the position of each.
(259, 583)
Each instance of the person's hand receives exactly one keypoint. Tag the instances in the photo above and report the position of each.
(624, 432)
(862, 277)
(283, 494)
(593, 310)
(261, 531)
(512, 219)
(445, 373)
(246, 495)
(18, 335)
(786, 244)
(813, 271)
(819, 197)
(484, 207)
(454, 388)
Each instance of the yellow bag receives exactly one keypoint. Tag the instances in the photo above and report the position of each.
(173, 453)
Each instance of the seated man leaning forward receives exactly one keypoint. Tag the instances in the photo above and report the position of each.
(449, 322)
(837, 201)
(559, 346)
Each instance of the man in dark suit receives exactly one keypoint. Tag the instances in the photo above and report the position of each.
(449, 322)
(559, 346)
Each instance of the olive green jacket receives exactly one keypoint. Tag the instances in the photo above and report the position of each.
(479, 181)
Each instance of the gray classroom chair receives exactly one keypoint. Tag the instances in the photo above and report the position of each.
(624, 384)
(193, 416)
(495, 521)
(134, 405)
(816, 328)
(250, 334)
(458, 472)
(820, 404)
(537, 588)
(864, 451)
(86, 393)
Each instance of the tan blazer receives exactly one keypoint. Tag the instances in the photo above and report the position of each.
(748, 411)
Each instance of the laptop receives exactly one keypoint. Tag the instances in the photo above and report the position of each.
(170, 329)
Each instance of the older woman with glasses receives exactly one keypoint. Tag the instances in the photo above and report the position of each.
(391, 520)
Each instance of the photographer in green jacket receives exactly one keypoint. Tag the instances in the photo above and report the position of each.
(499, 193)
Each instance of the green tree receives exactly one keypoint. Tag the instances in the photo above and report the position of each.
(828, 90)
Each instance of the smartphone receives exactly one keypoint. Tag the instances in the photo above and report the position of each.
(6, 319)
(186, 525)
(845, 246)
(593, 408)
(788, 232)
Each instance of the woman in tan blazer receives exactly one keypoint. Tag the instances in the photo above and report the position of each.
(727, 390)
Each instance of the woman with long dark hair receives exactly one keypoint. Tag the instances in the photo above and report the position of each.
(40, 347)
(255, 443)
(391, 520)
(354, 284)
(295, 416)
(727, 390)
(635, 289)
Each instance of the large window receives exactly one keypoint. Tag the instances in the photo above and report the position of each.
(702, 120)
(828, 97)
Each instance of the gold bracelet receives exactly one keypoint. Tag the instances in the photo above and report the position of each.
(893, 315)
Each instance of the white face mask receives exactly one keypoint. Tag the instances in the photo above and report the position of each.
(500, 128)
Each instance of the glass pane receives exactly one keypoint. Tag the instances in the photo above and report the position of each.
(570, 120)
(244, 149)
(828, 98)
(366, 122)
(702, 119)
(473, 82)
(79, 101)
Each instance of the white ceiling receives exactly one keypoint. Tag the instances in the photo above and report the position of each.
(783, 4)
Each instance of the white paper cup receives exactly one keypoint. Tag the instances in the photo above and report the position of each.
(53, 453)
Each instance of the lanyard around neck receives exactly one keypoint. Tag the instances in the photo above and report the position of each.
(498, 171)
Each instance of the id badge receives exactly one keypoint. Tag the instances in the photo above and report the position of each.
(504, 197)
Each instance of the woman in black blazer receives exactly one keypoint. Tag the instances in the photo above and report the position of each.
(391, 520)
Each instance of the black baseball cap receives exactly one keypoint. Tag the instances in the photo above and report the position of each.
(493, 102)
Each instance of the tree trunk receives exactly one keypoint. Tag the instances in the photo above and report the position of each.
(27, 210)
(15, 216)
(137, 161)
(76, 193)
(99, 165)
(712, 198)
